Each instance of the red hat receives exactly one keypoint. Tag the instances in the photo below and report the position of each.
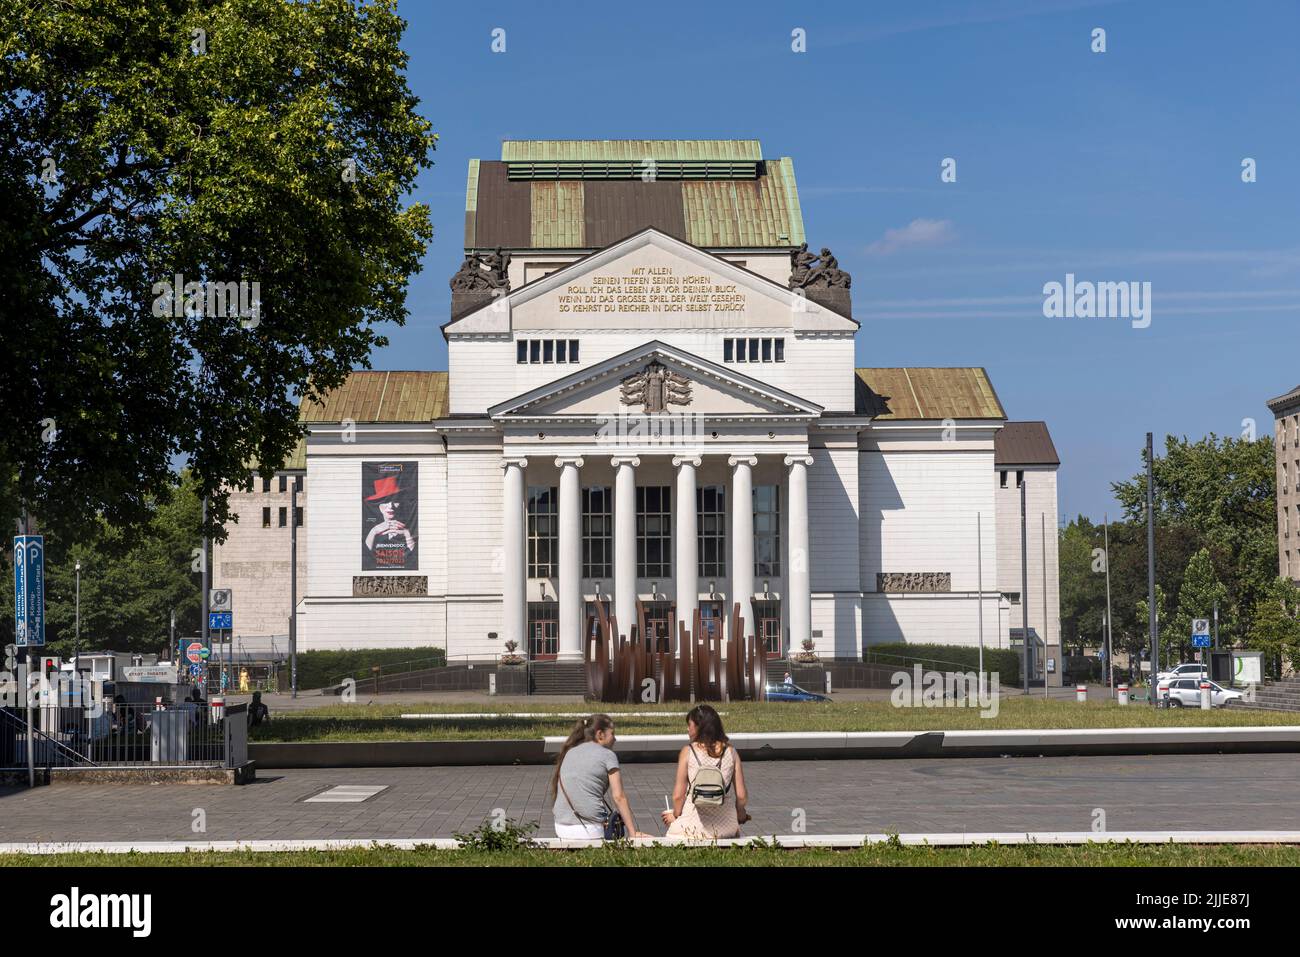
(385, 487)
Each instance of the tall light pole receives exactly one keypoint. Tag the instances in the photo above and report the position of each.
(1153, 622)
(1110, 642)
(76, 641)
(293, 586)
(1024, 586)
(979, 564)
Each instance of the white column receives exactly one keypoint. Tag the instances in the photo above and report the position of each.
(569, 587)
(625, 542)
(513, 571)
(797, 578)
(686, 568)
(742, 539)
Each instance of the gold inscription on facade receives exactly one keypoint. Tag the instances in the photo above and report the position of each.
(651, 289)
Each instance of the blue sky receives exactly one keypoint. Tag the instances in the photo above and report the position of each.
(1115, 166)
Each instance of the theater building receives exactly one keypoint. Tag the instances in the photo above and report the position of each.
(652, 401)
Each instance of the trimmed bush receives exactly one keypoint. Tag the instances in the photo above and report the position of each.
(948, 658)
(317, 669)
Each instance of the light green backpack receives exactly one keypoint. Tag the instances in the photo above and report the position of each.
(710, 787)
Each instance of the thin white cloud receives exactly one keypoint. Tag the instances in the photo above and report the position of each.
(919, 233)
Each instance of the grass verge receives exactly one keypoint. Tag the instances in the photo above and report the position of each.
(382, 722)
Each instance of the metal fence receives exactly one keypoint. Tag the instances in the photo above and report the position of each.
(124, 736)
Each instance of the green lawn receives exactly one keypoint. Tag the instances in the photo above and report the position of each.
(341, 722)
(876, 855)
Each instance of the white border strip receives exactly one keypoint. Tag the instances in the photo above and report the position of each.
(836, 841)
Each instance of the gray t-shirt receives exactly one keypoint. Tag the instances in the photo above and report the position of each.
(585, 776)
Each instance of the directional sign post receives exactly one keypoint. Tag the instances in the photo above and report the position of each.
(29, 590)
(1200, 632)
(220, 620)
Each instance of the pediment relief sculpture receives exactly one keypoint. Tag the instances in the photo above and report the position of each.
(654, 388)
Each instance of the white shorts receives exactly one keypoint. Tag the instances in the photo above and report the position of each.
(580, 832)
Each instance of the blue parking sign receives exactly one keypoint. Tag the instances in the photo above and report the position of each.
(29, 590)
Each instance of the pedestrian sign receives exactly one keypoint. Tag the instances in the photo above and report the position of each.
(220, 620)
(1200, 632)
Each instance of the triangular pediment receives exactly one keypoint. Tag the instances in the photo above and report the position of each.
(652, 378)
(651, 281)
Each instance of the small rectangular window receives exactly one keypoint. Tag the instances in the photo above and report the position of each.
(1003, 477)
(298, 481)
(1020, 477)
(297, 516)
(740, 350)
(753, 350)
(561, 350)
(266, 485)
(266, 517)
(548, 350)
(284, 483)
(534, 350)
(284, 516)
(767, 350)
(728, 350)
(780, 350)
(573, 350)
(521, 350)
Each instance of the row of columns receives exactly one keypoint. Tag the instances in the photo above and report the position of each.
(569, 588)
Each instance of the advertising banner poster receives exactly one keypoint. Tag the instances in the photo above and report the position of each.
(390, 529)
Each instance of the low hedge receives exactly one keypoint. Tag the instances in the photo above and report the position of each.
(317, 669)
(948, 658)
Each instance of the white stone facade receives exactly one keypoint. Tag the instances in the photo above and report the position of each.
(844, 496)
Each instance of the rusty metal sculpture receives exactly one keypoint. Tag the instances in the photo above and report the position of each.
(618, 665)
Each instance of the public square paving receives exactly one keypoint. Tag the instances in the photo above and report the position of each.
(1201, 792)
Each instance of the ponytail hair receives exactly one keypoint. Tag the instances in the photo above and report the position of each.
(584, 731)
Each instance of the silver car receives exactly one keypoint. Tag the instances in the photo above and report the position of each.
(1186, 692)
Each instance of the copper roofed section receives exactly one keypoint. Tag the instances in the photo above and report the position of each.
(382, 397)
(585, 194)
(927, 393)
(1024, 443)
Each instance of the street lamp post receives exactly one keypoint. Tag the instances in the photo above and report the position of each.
(76, 640)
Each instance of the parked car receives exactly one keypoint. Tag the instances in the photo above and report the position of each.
(788, 691)
(1186, 692)
(1194, 669)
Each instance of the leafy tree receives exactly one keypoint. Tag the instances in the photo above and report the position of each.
(1196, 599)
(257, 141)
(1167, 647)
(1275, 627)
(131, 581)
(1083, 583)
(1224, 491)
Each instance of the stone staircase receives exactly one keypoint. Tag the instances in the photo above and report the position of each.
(1282, 695)
(556, 677)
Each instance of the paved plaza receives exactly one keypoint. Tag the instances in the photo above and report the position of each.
(1202, 792)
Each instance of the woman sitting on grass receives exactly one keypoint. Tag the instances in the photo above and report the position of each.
(585, 771)
(709, 795)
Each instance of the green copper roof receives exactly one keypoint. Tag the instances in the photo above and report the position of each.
(634, 150)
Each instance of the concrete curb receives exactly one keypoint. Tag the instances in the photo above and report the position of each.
(795, 746)
(789, 841)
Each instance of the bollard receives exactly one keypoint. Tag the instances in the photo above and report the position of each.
(1081, 693)
(492, 684)
(218, 709)
(157, 703)
(1122, 691)
(1205, 696)
(1162, 695)
(828, 682)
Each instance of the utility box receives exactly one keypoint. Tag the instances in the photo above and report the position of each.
(1221, 667)
(167, 730)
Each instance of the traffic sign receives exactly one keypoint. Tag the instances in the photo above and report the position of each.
(1200, 632)
(205, 653)
(1200, 641)
(220, 621)
(195, 652)
(220, 599)
(29, 590)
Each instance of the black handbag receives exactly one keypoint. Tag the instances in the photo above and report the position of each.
(615, 829)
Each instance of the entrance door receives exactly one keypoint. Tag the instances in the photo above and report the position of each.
(658, 625)
(711, 618)
(543, 630)
(768, 614)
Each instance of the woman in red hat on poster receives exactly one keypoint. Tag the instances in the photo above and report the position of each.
(386, 499)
